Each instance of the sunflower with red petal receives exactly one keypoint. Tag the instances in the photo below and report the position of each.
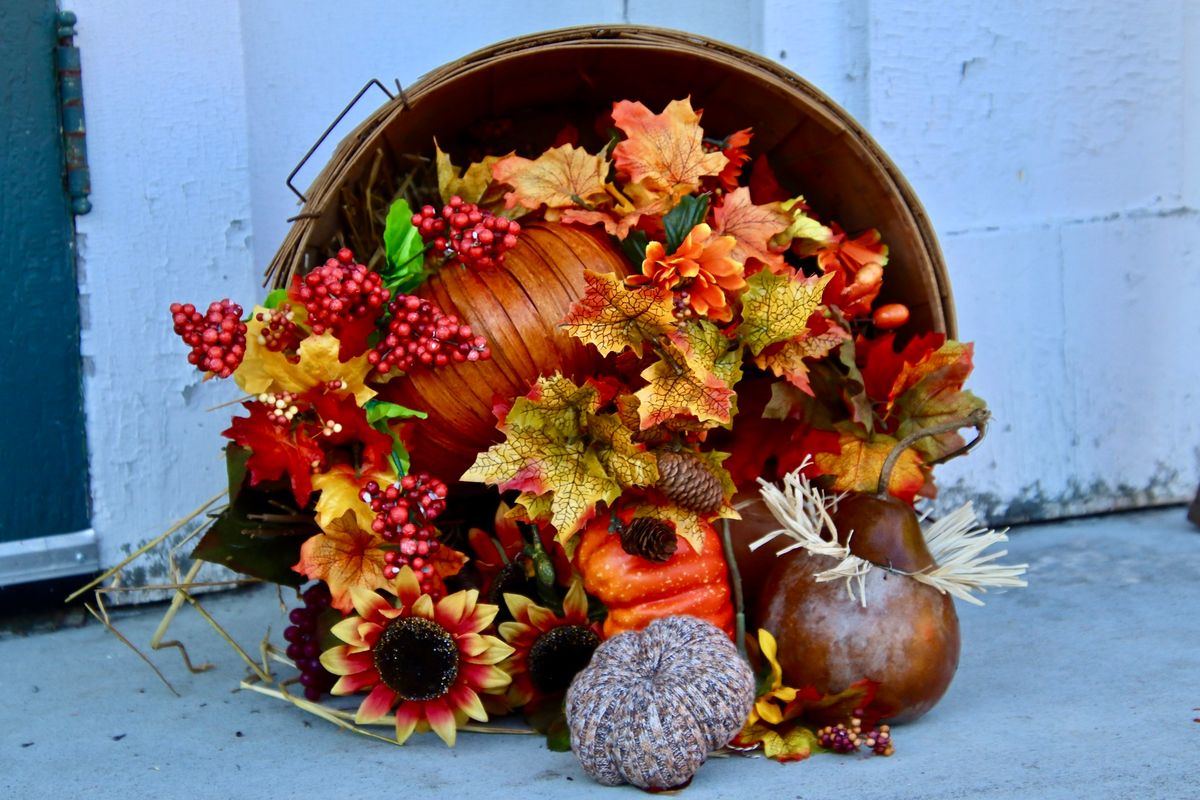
(548, 648)
(429, 662)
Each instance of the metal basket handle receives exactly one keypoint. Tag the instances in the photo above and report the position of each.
(337, 120)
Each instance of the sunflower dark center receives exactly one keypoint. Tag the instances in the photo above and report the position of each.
(558, 654)
(416, 658)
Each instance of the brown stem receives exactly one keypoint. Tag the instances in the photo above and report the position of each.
(977, 419)
(735, 586)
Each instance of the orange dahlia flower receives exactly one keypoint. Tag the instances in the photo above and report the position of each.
(700, 272)
(430, 662)
(548, 649)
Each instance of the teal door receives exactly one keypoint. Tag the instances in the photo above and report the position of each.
(44, 515)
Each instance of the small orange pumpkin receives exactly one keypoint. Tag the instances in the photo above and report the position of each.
(638, 591)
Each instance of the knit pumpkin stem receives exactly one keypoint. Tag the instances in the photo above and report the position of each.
(735, 587)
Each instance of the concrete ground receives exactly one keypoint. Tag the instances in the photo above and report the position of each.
(1085, 684)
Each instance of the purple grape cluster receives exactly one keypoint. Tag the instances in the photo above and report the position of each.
(304, 641)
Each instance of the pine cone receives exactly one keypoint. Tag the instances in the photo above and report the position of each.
(686, 480)
(650, 538)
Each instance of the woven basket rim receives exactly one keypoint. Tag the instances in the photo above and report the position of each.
(365, 135)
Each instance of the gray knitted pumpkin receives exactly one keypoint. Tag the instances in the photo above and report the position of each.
(653, 704)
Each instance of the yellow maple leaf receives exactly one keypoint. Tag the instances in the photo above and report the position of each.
(341, 491)
(625, 460)
(263, 370)
(346, 557)
(613, 317)
(555, 405)
(470, 185)
(752, 226)
(858, 467)
(664, 151)
(561, 177)
(776, 308)
(532, 461)
(788, 361)
(694, 378)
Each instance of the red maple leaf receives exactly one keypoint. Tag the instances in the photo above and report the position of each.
(882, 364)
(276, 450)
(345, 422)
(764, 187)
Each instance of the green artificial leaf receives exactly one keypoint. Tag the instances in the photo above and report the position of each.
(634, 247)
(680, 220)
(379, 414)
(381, 409)
(275, 298)
(235, 467)
(404, 250)
(548, 717)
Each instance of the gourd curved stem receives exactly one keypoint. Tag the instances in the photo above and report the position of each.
(977, 419)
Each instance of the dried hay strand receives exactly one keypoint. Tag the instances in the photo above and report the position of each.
(958, 542)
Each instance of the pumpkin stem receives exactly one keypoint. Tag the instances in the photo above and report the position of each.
(735, 587)
(977, 419)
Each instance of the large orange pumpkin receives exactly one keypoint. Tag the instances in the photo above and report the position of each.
(638, 591)
(517, 307)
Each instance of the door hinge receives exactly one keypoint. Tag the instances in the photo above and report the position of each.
(74, 133)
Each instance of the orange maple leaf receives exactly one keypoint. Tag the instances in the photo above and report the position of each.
(787, 360)
(858, 466)
(559, 178)
(665, 151)
(613, 317)
(931, 393)
(752, 226)
(346, 557)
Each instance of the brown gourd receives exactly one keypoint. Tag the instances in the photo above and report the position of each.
(906, 638)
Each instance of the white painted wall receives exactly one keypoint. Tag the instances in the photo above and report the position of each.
(1054, 145)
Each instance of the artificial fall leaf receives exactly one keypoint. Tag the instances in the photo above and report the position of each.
(753, 226)
(776, 308)
(265, 371)
(938, 397)
(566, 475)
(734, 149)
(693, 379)
(625, 460)
(792, 742)
(341, 491)
(470, 185)
(764, 186)
(664, 151)
(858, 465)
(276, 450)
(686, 523)
(559, 178)
(346, 557)
(626, 210)
(803, 231)
(555, 405)
(787, 360)
(882, 364)
(613, 316)
(345, 422)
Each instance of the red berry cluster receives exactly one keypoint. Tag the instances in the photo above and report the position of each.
(304, 637)
(217, 338)
(464, 231)
(279, 332)
(419, 333)
(404, 515)
(339, 292)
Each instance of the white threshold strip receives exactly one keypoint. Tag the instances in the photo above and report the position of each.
(46, 557)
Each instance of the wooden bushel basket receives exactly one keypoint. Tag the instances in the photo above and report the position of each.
(518, 94)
